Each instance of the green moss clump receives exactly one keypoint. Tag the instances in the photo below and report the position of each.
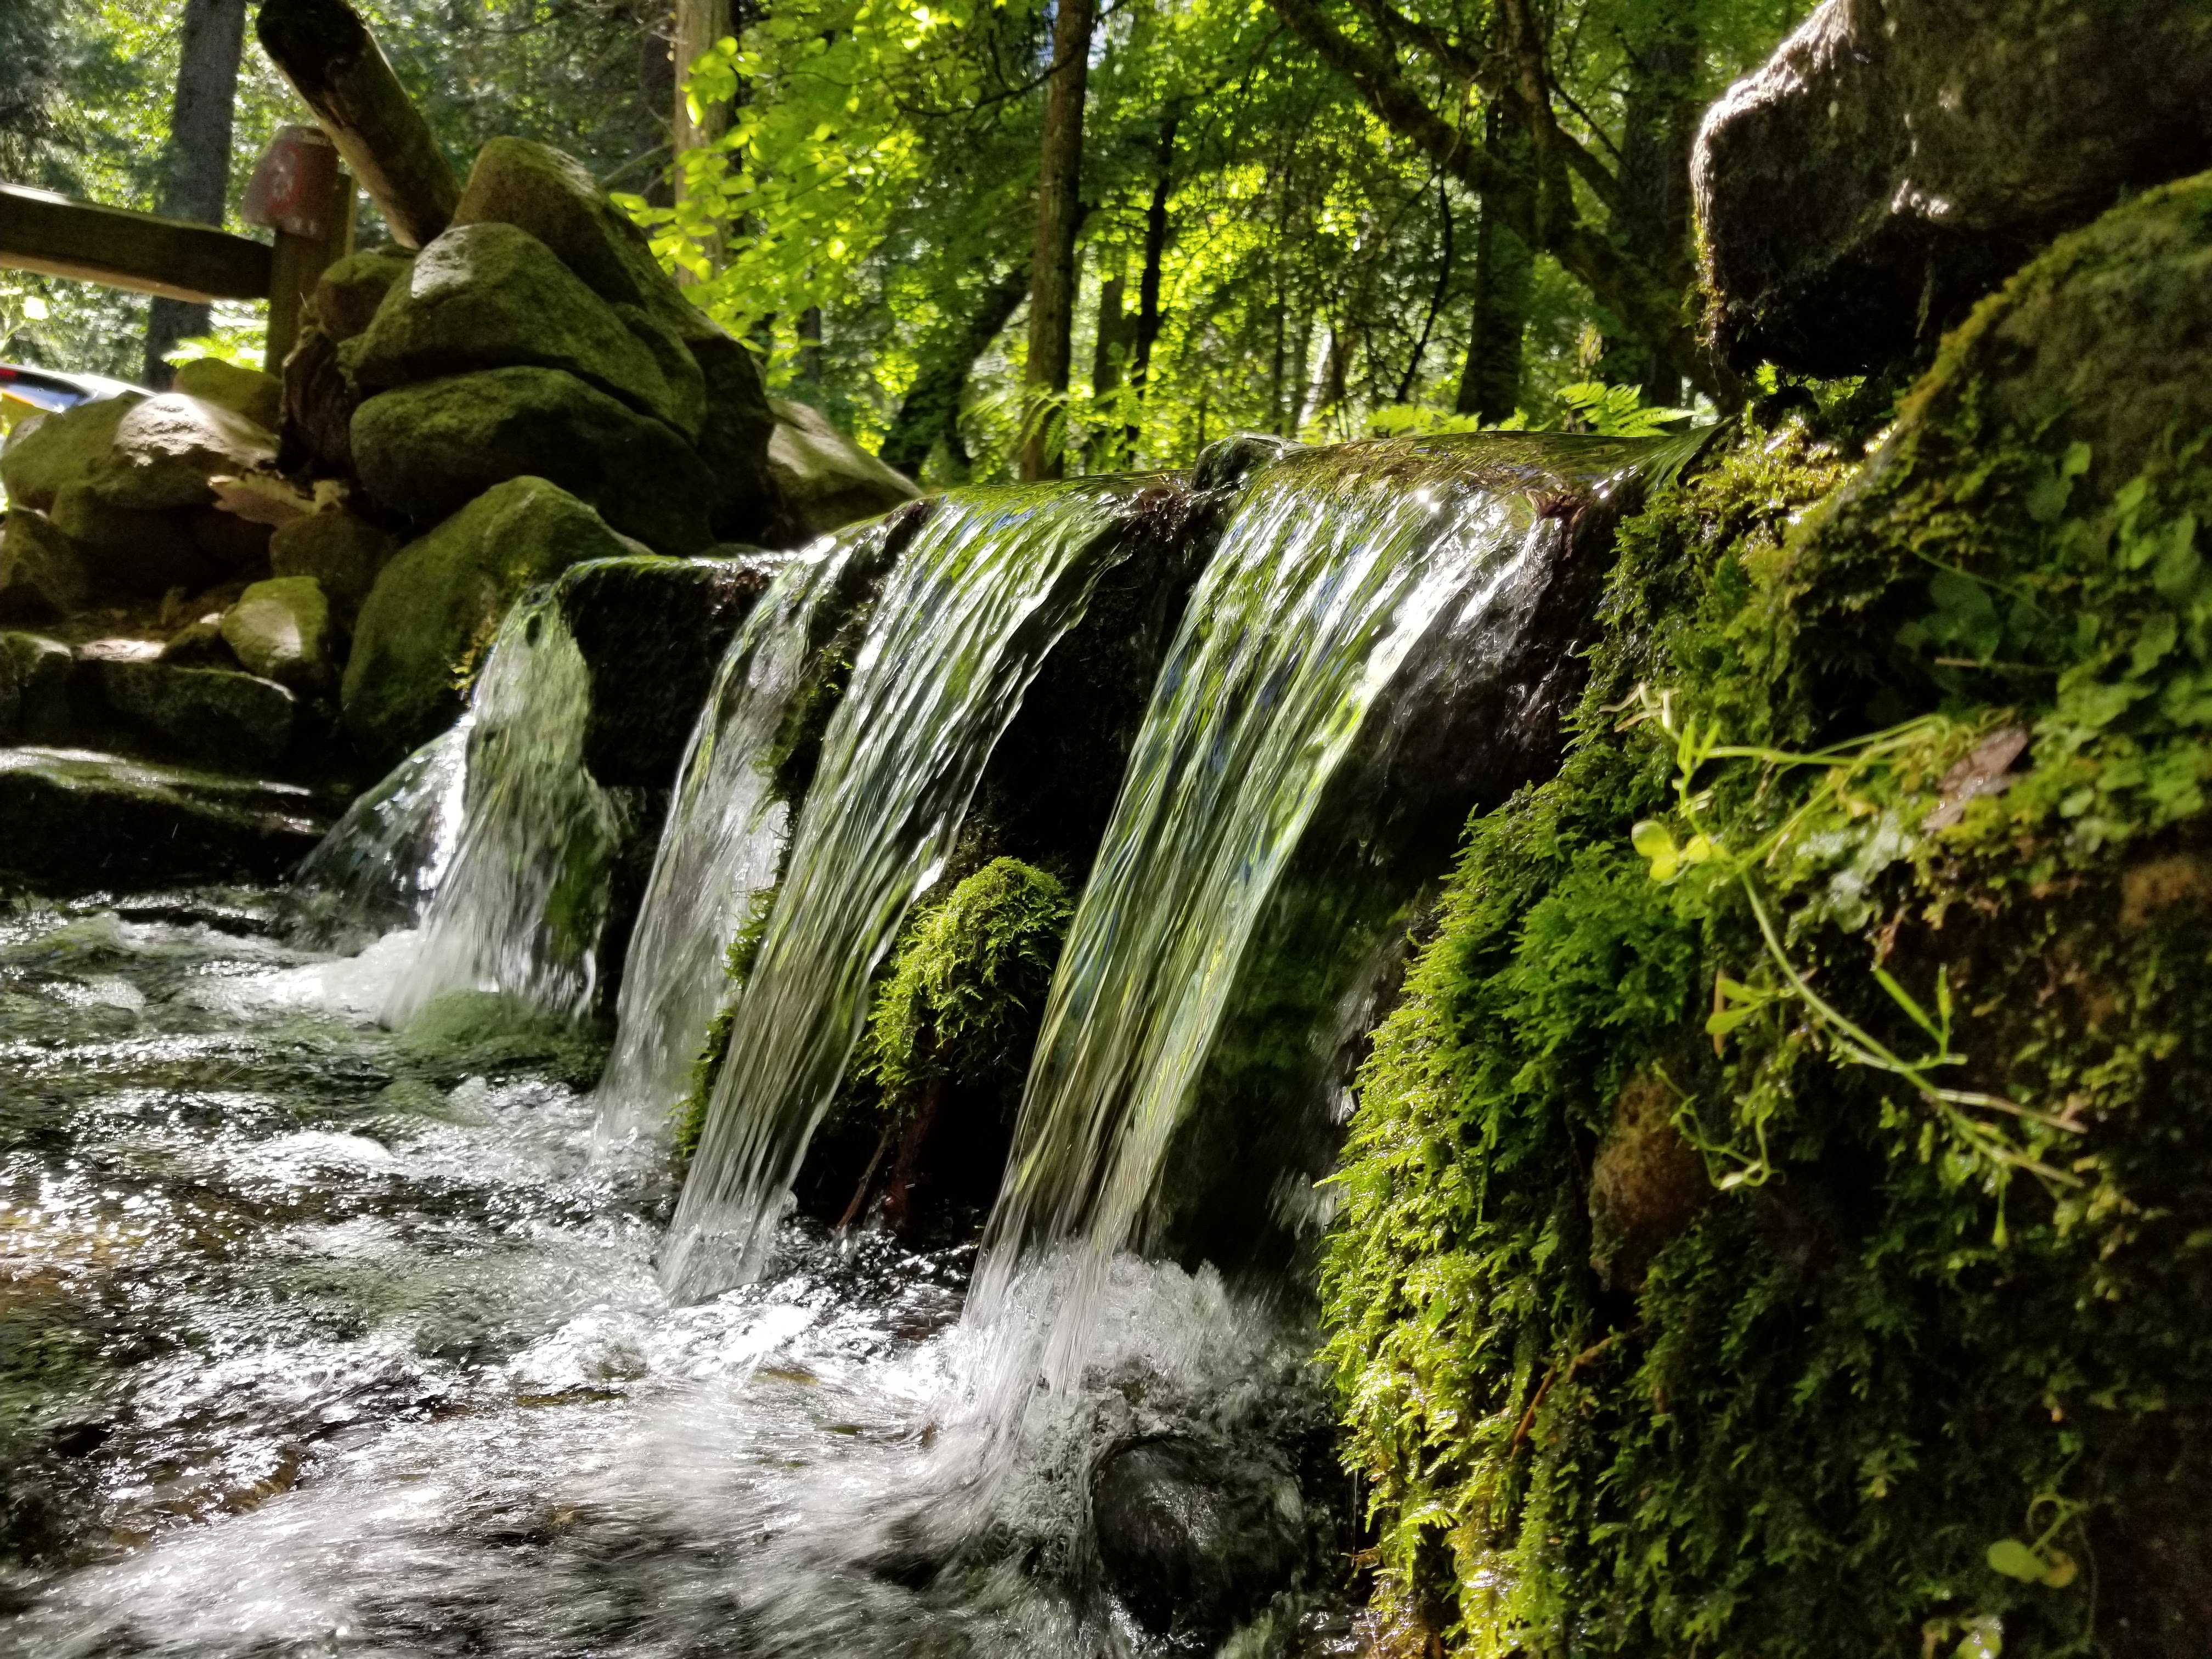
(1778, 1217)
(966, 987)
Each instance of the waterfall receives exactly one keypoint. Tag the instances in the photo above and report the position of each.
(988, 585)
(521, 905)
(725, 835)
(377, 868)
(1336, 567)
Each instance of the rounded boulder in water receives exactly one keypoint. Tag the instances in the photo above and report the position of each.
(1195, 1538)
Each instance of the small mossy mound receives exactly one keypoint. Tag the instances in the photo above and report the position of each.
(1778, 1218)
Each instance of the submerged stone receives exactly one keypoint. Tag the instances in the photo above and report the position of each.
(1195, 1538)
(1896, 160)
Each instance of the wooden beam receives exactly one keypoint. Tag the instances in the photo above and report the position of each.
(42, 231)
(334, 64)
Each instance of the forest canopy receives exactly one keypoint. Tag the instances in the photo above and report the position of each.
(1321, 218)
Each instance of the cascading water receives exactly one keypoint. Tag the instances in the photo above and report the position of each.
(379, 866)
(724, 838)
(521, 905)
(1335, 569)
(981, 594)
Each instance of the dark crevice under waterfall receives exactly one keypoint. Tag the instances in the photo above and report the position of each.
(394, 1329)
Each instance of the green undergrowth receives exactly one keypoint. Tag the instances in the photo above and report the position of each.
(1778, 1219)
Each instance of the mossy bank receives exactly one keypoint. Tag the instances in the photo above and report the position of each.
(1778, 1218)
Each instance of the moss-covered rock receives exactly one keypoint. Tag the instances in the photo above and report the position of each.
(247, 392)
(490, 296)
(282, 630)
(342, 550)
(425, 450)
(1835, 887)
(827, 481)
(436, 606)
(44, 574)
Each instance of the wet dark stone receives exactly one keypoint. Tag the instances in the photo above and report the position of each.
(1225, 463)
(1195, 1538)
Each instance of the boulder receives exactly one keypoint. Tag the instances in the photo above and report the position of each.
(1897, 158)
(73, 822)
(491, 295)
(340, 549)
(45, 452)
(1196, 1539)
(827, 481)
(199, 645)
(247, 392)
(281, 630)
(554, 198)
(436, 606)
(134, 551)
(349, 293)
(214, 714)
(11, 700)
(43, 574)
(165, 449)
(42, 670)
(425, 450)
(320, 400)
(653, 632)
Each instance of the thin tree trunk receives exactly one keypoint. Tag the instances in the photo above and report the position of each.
(1659, 126)
(1436, 299)
(809, 348)
(1156, 249)
(1504, 274)
(930, 412)
(699, 25)
(1052, 273)
(195, 166)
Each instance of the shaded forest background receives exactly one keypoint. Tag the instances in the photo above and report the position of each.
(1321, 218)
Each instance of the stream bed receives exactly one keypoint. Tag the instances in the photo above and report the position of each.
(316, 1338)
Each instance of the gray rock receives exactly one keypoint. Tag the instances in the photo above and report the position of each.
(76, 821)
(132, 551)
(1196, 1539)
(247, 392)
(428, 449)
(1897, 158)
(827, 481)
(653, 632)
(165, 450)
(281, 630)
(734, 439)
(43, 574)
(43, 670)
(46, 452)
(492, 296)
(351, 291)
(212, 715)
(436, 606)
(340, 549)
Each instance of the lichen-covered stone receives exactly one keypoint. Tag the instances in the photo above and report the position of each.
(235, 720)
(43, 574)
(46, 452)
(490, 296)
(73, 822)
(165, 449)
(825, 480)
(1898, 158)
(341, 550)
(427, 449)
(133, 551)
(246, 391)
(43, 670)
(437, 604)
(281, 629)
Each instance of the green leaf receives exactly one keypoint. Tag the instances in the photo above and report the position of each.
(1653, 843)
(2015, 1560)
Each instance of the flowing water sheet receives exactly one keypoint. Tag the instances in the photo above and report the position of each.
(965, 620)
(378, 867)
(724, 837)
(1333, 568)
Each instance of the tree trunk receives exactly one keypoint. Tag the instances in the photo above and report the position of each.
(1052, 273)
(1504, 272)
(1148, 320)
(1659, 126)
(699, 25)
(930, 412)
(195, 166)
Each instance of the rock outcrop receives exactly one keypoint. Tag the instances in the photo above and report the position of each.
(436, 606)
(1195, 1538)
(281, 629)
(1898, 158)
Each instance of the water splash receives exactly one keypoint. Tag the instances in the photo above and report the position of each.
(723, 841)
(522, 904)
(377, 868)
(987, 586)
(1333, 569)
